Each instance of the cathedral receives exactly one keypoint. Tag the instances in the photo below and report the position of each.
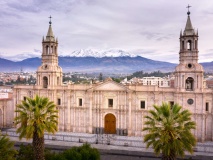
(113, 108)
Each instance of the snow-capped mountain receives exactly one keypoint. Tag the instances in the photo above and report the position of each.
(100, 54)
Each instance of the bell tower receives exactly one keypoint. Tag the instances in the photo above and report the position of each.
(49, 74)
(189, 73)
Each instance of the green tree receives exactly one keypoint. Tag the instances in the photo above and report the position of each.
(84, 152)
(100, 77)
(25, 152)
(169, 131)
(7, 151)
(35, 116)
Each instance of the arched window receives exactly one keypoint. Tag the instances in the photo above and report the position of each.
(183, 45)
(195, 44)
(47, 49)
(45, 82)
(189, 83)
(189, 45)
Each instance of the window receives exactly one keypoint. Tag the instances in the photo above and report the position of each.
(110, 102)
(80, 101)
(59, 101)
(207, 106)
(143, 104)
(189, 45)
(183, 45)
(25, 98)
(45, 82)
(189, 83)
(171, 103)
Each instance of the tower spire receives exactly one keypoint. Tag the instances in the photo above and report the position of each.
(50, 35)
(189, 29)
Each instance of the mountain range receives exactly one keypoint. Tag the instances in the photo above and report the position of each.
(112, 61)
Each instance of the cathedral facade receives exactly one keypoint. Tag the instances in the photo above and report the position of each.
(114, 108)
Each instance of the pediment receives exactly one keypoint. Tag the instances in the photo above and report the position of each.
(110, 86)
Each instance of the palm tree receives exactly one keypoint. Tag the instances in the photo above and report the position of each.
(35, 116)
(7, 151)
(169, 131)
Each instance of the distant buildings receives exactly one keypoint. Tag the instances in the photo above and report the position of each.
(6, 107)
(150, 81)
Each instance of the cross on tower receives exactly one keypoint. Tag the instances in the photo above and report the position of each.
(188, 9)
(50, 20)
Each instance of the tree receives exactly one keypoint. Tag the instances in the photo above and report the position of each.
(84, 152)
(7, 151)
(25, 152)
(100, 77)
(35, 116)
(169, 131)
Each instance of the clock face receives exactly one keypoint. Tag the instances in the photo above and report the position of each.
(190, 101)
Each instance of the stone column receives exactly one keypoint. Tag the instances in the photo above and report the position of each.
(90, 112)
(130, 115)
(203, 128)
(67, 111)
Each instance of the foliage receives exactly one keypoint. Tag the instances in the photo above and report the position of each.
(118, 80)
(25, 152)
(141, 74)
(7, 151)
(35, 116)
(84, 152)
(169, 131)
(100, 77)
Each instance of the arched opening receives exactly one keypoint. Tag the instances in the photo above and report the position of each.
(189, 83)
(189, 45)
(1, 119)
(45, 82)
(182, 45)
(110, 124)
(47, 49)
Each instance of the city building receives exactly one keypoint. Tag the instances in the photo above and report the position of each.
(114, 108)
(6, 107)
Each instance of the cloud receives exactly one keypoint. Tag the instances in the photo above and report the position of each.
(150, 26)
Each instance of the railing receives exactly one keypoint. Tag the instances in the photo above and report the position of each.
(109, 139)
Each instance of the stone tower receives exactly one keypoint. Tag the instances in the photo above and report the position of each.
(49, 74)
(189, 73)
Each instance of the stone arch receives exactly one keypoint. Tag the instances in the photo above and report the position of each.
(109, 124)
(183, 45)
(47, 49)
(189, 83)
(45, 82)
(189, 45)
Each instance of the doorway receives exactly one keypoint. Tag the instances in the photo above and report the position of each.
(110, 124)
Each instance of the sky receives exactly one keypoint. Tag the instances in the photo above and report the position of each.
(148, 28)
